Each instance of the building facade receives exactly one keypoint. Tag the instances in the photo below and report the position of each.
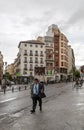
(59, 48)
(1, 67)
(71, 62)
(31, 59)
(10, 69)
(48, 57)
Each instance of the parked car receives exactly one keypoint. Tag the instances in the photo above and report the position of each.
(9, 83)
(51, 81)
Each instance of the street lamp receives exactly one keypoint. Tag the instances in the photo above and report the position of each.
(4, 84)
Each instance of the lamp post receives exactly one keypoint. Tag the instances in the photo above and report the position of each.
(4, 84)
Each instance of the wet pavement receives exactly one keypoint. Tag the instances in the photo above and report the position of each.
(63, 109)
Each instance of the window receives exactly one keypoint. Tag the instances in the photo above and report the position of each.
(62, 57)
(25, 45)
(30, 45)
(61, 50)
(25, 52)
(36, 60)
(36, 65)
(25, 66)
(61, 63)
(25, 59)
(36, 45)
(31, 60)
(61, 37)
(36, 53)
(25, 72)
(41, 53)
(49, 64)
(31, 53)
(61, 44)
(41, 60)
(30, 73)
(31, 66)
(41, 46)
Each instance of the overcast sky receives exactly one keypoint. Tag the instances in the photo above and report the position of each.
(27, 19)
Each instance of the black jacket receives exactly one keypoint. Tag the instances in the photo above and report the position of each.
(41, 90)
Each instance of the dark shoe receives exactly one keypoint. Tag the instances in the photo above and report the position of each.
(32, 111)
(40, 108)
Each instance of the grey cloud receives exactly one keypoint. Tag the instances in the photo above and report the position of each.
(25, 19)
(77, 16)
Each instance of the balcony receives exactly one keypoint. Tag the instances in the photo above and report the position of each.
(25, 61)
(36, 54)
(31, 61)
(41, 62)
(36, 61)
(41, 55)
(31, 54)
(25, 54)
(31, 69)
(50, 59)
(25, 69)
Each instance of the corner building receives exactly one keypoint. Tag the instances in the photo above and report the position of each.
(59, 46)
(31, 59)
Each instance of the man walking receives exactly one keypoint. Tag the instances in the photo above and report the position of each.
(36, 91)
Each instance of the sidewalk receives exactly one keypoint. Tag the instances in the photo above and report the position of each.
(64, 112)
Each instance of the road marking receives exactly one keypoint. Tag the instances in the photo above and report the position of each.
(7, 100)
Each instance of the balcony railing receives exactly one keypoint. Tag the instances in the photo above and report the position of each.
(49, 59)
(41, 55)
(31, 54)
(25, 54)
(31, 69)
(41, 62)
(36, 61)
(25, 61)
(25, 69)
(31, 61)
(36, 54)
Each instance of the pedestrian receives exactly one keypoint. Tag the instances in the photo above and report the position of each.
(19, 88)
(37, 89)
(4, 88)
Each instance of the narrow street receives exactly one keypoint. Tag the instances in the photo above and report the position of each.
(63, 109)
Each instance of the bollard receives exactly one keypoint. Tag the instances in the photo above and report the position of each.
(25, 87)
(4, 90)
(19, 88)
